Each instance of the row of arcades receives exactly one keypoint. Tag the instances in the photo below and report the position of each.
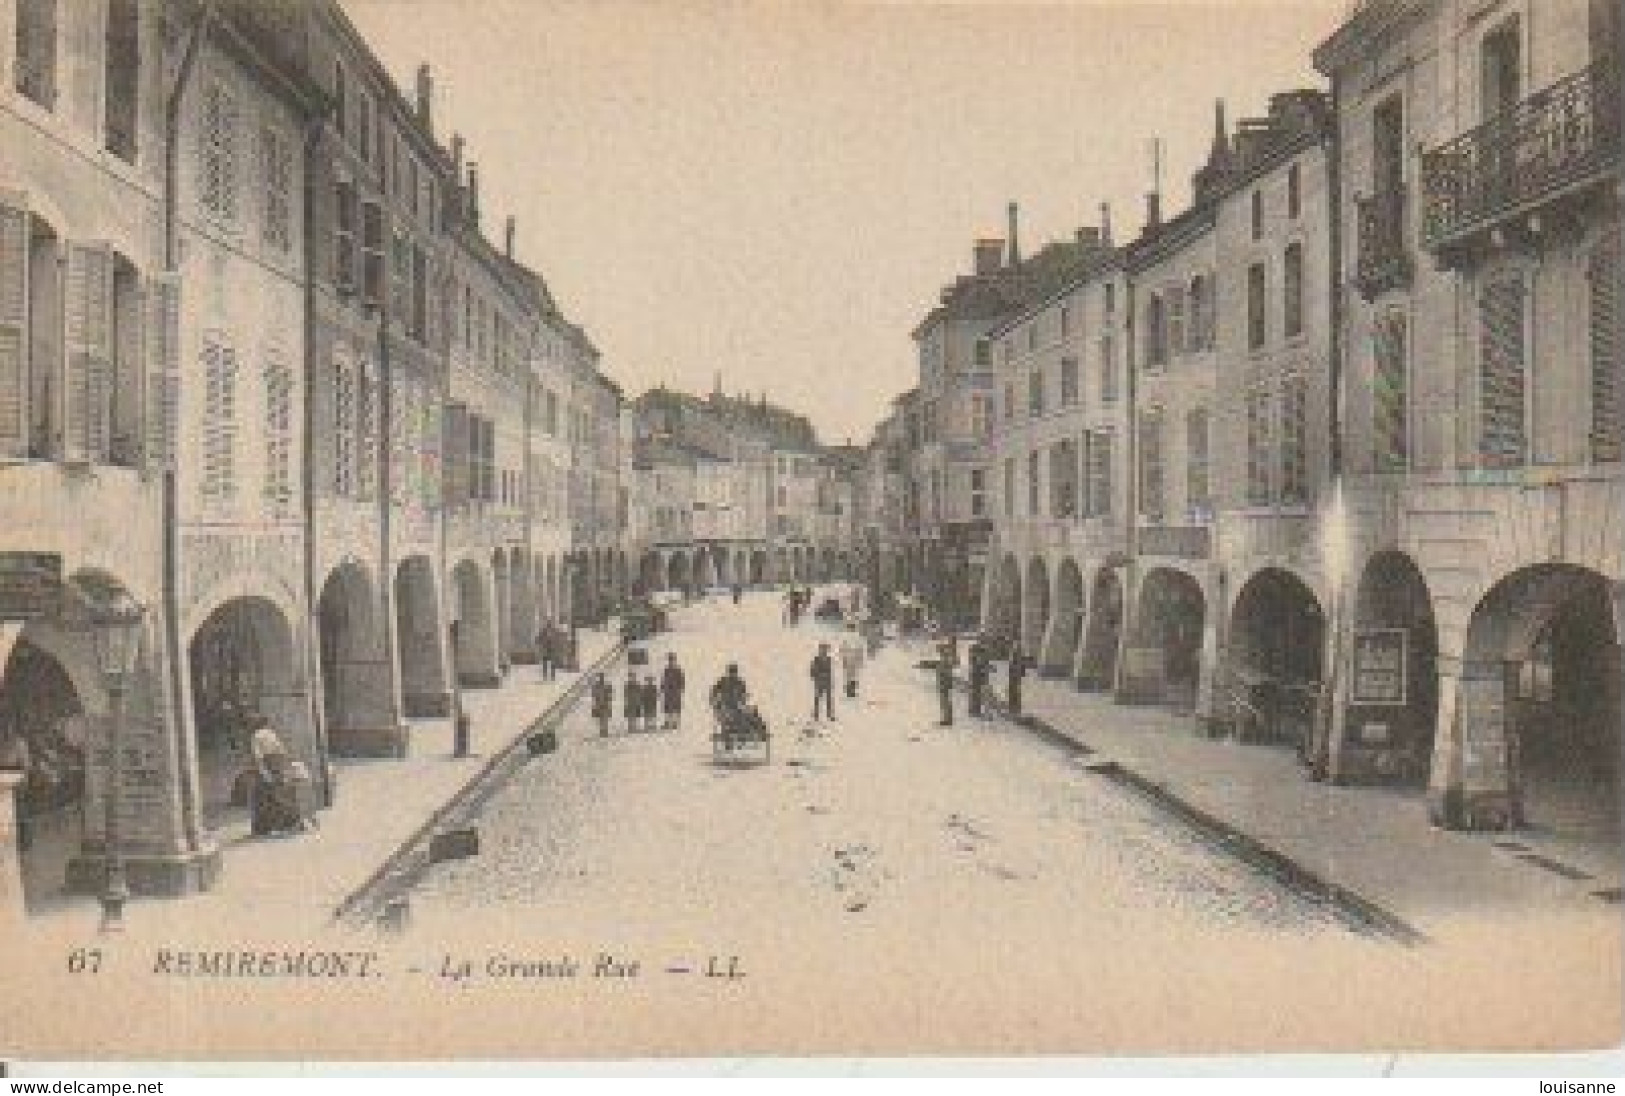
(707, 566)
(1513, 720)
(347, 679)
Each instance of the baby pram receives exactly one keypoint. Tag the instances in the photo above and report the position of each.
(741, 735)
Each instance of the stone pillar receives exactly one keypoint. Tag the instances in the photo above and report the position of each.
(1142, 668)
(1471, 786)
(12, 911)
(1209, 707)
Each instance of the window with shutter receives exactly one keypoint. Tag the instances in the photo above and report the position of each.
(1292, 290)
(161, 398)
(1176, 321)
(1607, 389)
(1389, 405)
(1198, 499)
(372, 254)
(1295, 441)
(1260, 444)
(344, 236)
(1151, 502)
(1063, 473)
(1098, 454)
(276, 175)
(217, 152)
(1034, 485)
(366, 407)
(219, 420)
(343, 430)
(87, 386)
(1069, 381)
(1256, 306)
(278, 486)
(14, 250)
(1502, 437)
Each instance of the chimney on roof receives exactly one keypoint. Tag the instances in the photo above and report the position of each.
(1106, 223)
(1015, 245)
(1088, 237)
(1153, 200)
(473, 193)
(987, 256)
(507, 236)
(425, 98)
(1221, 135)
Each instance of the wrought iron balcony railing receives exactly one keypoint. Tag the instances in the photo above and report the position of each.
(1383, 256)
(1561, 137)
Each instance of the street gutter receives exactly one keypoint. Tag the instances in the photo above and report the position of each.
(404, 868)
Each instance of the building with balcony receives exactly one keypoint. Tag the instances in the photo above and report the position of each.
(1479, 523)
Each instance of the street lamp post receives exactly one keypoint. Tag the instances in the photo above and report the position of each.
(117, 633)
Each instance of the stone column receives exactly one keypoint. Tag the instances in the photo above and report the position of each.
(11, 868)
(1471, 786)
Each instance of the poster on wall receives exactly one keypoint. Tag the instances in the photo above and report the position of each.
(1379, 666)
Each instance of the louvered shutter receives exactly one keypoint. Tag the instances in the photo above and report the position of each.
(1501, 436)
(1607, 388)
(88, 361)
(161, 364)
(13, 326)
(455, 456)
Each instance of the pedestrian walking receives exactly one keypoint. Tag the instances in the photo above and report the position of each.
(650, 701)
(823, 679)
(672, 683)
(851, 660)
(738, 592)
(1017, 670)
(980, 666)
(603, 703)
(547, 654)
(945, 683)
(632, 701)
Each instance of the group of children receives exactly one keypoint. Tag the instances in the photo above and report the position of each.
(641, 699)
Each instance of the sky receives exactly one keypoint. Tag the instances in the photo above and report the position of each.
(777, 191)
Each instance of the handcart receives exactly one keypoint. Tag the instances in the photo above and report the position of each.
(740, 736)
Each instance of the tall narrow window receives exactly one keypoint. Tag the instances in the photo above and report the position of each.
(1502, 374)
(219, 480)
(372, 255)
(1176, 321)
(1607, 392)
(36, 50)
(217, 152)
(1034, 484)
(366, 417)
(1156, 337)
(1198, 496)
(1256, 306)
(1009, 402)
(278, 485)
(1098, 473)
(1009, 487)
(344, 236)
(1063, 478)
(1294, 192)
(1390, 411)
(420, 294)
(343, 430)
(121, 61)
(276, 176)
(1258, 214)
(1151, 501)
(1260, 445)
(1196, 333)
(978, 492)
(1108, 370)
(1069, 381)
(1500, 70)
(1292, 290)
(400, 278)
(1295, 441)
(1035, 392)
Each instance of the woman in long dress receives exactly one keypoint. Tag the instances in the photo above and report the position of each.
(274, 806)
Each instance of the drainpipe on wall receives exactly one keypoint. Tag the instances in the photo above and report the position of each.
(190, 812)
(1328, 730)
(1127, 617)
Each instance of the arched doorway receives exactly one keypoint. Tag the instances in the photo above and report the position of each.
(649, 576)
(473, 629)
(522, 609)
(1393, 708)
(705, 574)
(781, 566)
(1167, 650)
(358, 703)
(242, 663)
(1066, 630)
(550, 586)
(843, 566)
(677, 574)
(42, 727)
(1035, 607)
(1276, 640)
(418, 635)
(758, 568)
(1540, 702)
(1102, 633)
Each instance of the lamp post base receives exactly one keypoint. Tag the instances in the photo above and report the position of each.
(170, 875)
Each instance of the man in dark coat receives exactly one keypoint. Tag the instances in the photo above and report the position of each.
(823, 679)
(1017, 670)
(671, 693)
(632, 700)
(945, 682)
(547, 651)
(979, 667)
